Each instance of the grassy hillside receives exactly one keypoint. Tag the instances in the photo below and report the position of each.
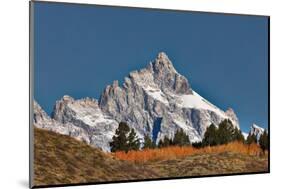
(209, 164)
(61, 159)
(178, 161)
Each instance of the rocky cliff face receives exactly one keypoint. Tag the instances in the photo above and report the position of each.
(81, 119)
(86, 114)
(156, 100)
(43, 121)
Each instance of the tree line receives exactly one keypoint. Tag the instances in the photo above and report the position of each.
(226, 133)
(125, 139)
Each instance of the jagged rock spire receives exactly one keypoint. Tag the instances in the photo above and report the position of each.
(163, 62)
(230, 113)
(167, 77)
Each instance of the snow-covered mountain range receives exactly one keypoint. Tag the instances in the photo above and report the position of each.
(155, 100)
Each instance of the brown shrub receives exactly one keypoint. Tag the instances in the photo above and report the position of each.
(173, 152)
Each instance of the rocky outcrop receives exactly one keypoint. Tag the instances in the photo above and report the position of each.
(256, 130)
(159, 92)
(43, 121)
(86, 114)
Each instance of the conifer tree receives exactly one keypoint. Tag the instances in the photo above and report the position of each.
(148, 143)
(238, 136)
(160, 143)
(252, 138)
(119, 140)
(263, 141)
(197, 144)
(210, 136)
(133, 141)
(165, 142)
(225, 132)
(181, 138)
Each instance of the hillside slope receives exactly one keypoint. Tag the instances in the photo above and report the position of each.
(210, 164)
(60, 159)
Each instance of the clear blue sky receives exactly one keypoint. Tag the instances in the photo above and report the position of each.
(81, 49)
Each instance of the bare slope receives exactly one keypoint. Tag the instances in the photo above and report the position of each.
(210, 164)
(61, 159)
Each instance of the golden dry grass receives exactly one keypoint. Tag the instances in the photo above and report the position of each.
(174, 152)
(177, 161)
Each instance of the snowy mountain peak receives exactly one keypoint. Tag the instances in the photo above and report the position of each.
(256, 130)
(67, 98)
(115, 84)
(43, 121)
(255, 126)
(86, 114)
(155, 101)
(163, 56)
(60, 111)
(162, 62)
(159, 92)
(230, 113)
(39, 115)
(230, 110)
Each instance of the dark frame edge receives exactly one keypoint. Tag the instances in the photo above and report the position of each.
(268, 80)
(146, 8)
(148, 180)
(31, 94)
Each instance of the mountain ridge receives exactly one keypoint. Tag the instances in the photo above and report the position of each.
(155, 100)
